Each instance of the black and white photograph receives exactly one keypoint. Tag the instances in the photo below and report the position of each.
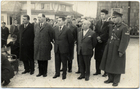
(69, 44)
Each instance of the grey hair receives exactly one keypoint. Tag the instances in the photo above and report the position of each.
(88, 22)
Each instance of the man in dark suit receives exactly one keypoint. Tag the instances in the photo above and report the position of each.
(86, 43)
(73, 29)
(42, 44)
(63, 44)
(26, 41)
(102, 31)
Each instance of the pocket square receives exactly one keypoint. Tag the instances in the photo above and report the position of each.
(89, 36)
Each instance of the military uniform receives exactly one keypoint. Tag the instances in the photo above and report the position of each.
(111, 62)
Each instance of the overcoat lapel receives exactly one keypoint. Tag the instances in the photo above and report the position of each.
(24, 29)
(42, 26)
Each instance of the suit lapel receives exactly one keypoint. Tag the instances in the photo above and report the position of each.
(86, 34)
(42, 26)
(62, 30)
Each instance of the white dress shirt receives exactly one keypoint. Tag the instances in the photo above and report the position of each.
(84, 32)
(61, 27)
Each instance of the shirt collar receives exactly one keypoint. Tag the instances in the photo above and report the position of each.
(61, 27)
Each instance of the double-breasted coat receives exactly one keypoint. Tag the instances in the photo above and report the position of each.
(26, 42)
(117, 42)
(102, 30)
(42, 42)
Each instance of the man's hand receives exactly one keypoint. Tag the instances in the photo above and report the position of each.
(98, 38)
(99, 41)
(120, 54)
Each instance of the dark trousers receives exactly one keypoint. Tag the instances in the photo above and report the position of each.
(114, 77)
(29, 65)
(58, 59)
(43, 65)
(78, 62)
(70, 64)
(85, 65)
(97, 66)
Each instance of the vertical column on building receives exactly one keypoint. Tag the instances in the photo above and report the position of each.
(29, 9)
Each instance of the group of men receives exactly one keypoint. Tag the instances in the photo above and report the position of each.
(110, 40)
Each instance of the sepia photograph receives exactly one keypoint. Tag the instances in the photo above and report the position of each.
(69, 44)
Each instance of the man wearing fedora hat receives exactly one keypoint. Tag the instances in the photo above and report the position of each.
(113, 60)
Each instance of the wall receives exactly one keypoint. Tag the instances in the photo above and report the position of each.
(134, 9)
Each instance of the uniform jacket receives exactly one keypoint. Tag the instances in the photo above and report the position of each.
(42, 42)
(87, 43)
(118, 42)
(26, 42)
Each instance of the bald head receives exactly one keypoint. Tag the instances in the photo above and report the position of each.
(86, 24)
(41, 18)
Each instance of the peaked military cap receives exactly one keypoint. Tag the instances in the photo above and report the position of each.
(117, 14)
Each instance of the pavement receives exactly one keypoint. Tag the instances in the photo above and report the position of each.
(128, 80)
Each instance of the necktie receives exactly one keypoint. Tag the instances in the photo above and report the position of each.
(40, 25)
(60, 28)
(24, 25)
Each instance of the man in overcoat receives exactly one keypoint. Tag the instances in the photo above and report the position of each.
(102, 31)
(63, 44)
(4, 34)
(86, 43)
(42, 44)
(113, 61)
(26, 42)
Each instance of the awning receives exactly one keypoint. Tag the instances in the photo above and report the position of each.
(10, 7)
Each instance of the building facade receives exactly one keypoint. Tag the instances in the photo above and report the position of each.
(52, 9)
(130, 10)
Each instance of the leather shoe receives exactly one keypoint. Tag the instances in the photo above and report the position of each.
(38, 75)
(80, 77)
(115, 84)
(31, 73)
(55, 76)
(104, 75)
(96, 73)
(69, 71)
(108, 81)
(25, 72)
(78, 72)
(64, 77)
(5, 83)
(86, 78)
(44, 75)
